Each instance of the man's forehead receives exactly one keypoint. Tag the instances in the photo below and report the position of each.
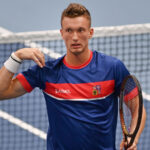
(76, 22)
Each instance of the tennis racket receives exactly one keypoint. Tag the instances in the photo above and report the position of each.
(130, 106)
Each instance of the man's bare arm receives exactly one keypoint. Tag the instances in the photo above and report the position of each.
(134, 112)
(9, 87)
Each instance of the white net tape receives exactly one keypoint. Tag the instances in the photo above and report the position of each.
(55, 34)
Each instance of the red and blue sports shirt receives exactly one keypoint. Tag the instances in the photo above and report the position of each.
(82, 102)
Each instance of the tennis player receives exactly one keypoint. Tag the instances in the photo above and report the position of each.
(81, 88)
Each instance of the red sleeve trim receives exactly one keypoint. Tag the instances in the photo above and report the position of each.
(131, 95)
(24, 82)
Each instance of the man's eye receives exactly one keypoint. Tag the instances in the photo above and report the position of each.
(81, 30)
(68, 30)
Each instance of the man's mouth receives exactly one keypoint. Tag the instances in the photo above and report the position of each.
(76, 45)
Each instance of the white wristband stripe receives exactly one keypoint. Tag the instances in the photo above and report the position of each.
(15, 57)
(13, 63)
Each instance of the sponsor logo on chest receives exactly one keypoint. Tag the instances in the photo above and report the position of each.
(63, 91)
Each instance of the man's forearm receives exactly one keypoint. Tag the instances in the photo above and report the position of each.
(5, 79)
(141, 126)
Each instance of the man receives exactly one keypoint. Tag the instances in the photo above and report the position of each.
(80, 88)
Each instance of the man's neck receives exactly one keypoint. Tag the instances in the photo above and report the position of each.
(77, 59)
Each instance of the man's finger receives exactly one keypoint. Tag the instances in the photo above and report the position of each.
(37, 61)
(40, 57)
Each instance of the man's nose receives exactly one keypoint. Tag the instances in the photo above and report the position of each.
(75, 36)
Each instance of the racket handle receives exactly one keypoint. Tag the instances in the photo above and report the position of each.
(125, 148)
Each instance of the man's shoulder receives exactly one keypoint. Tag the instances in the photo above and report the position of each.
(54, 62)
(106, 58)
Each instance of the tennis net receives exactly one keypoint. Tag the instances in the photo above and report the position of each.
(23, 121)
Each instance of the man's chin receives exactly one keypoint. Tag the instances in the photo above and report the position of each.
(77, 51)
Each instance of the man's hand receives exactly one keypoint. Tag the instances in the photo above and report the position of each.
(31, 54)
(132, 147)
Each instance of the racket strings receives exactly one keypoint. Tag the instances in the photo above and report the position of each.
(129, 105)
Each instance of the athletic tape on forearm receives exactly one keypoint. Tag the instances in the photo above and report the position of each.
(13, 63)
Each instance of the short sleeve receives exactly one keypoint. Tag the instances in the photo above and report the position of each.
(120, 73)
(32, 78)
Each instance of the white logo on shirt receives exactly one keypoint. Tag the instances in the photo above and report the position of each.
(63, 91)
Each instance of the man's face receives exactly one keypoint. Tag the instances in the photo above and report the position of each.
(76, 32)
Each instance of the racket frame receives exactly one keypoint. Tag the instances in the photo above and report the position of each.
(140, 109)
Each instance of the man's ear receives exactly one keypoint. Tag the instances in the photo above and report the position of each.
(61, 32)
(91, 32)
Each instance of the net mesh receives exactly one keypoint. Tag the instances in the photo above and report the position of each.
(23, 121)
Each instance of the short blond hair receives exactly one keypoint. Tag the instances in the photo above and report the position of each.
(75, 10)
